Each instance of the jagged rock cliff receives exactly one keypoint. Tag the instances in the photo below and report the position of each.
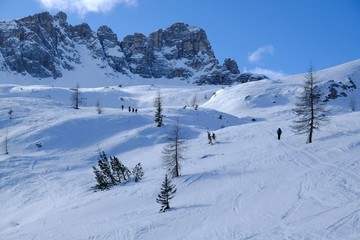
(45, 46)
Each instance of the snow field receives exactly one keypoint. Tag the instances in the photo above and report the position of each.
(248, 185)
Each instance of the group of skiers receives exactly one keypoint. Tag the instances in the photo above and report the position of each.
(134, 110)
(211, 137)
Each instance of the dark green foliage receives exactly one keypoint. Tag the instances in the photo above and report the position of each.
(113, 172)
(167, 192)
(102, 184)
(120, 171)
(158, 110)
(138, 172)
(104, 166)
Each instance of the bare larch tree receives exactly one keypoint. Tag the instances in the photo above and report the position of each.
(173, 152)
(309, 108)
(75, 97)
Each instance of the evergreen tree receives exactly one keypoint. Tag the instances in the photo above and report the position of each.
(310, 110)
(138, 172)
(166, 194)
(173, 152)
(158, 110)
(113, 172)
(102, 184)
(104, 166)
(121, 172)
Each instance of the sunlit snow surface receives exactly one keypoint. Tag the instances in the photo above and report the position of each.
(248, 185)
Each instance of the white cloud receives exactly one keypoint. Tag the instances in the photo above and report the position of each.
(272, 74)
(258, 54)
(83, 7)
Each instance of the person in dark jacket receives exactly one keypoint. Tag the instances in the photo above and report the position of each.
(279, 133)
(209, 137)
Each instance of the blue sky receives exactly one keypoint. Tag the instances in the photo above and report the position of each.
(278, 37)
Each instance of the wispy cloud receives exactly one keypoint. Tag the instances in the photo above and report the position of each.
(83, 7)
(272, 74)
(258, 54)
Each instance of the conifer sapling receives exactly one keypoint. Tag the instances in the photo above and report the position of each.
(138, 172)
(167, 192)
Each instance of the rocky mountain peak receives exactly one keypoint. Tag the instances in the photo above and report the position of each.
(61, 16)
(44, 46)
(105, 33)
(231, 65)
(82, 31)
(189, 40)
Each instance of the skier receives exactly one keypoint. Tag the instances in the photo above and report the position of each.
(279, 133)
(213, 136)
(209, 137)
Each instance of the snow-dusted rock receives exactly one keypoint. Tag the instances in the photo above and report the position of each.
(44, 46)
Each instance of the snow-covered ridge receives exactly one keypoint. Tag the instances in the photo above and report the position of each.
(43, 46)
(248, 185)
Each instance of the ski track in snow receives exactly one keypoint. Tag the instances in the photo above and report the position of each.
(248, 185)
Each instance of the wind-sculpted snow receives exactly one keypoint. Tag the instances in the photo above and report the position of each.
(248, 185)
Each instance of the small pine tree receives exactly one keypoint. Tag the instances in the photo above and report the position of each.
(138, 172)
(116, 168)
(102, 184)
(158, 110)
(104, 166)
(167, 192)
(121, 172)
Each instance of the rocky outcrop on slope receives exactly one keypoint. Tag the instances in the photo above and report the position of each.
(339, 89)
(45, 46)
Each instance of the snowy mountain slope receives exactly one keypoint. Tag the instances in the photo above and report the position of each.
(278, 95)
(248, 185)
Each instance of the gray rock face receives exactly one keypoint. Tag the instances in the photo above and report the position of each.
(44, 46)
(177, 51)
(138, 54)
(231, 66)
(339, 89)
(251, 77)
(29, 45)
(112, 51)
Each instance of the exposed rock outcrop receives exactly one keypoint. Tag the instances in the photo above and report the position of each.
(45, 46)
